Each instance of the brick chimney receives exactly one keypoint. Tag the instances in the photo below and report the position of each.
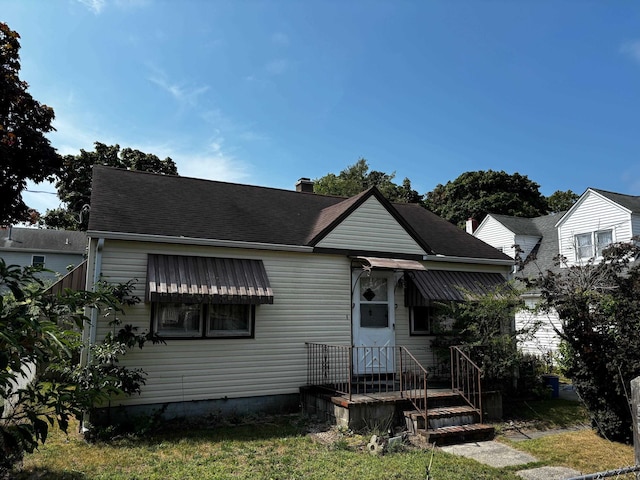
(304, 185)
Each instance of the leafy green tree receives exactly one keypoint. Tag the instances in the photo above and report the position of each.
(482, 328)
(474, 194)
(25, 152)
(357, 178)
(40, 336)
(560, 201)
(74, 180)
(599, 308)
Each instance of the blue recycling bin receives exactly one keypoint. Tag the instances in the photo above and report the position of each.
(552, 381)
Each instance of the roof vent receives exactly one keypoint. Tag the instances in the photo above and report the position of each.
(304, 185)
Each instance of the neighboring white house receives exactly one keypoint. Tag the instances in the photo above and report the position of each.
(53, 250)
(238, 278)
(597, 219)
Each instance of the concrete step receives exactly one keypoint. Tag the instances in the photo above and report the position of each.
(458, 434)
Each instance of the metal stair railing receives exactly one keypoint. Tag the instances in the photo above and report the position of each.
(331, 367)
(466, 379)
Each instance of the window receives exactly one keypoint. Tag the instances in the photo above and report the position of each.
(584, 246)
(585, 243)
(604, 238)
(37, 261)
(374, 306)
(431, 320)
(179, 320)
(230, 321)
(420, 320)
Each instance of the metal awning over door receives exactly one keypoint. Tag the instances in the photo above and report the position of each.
(445, 285)
(190, 279)
(389, 263)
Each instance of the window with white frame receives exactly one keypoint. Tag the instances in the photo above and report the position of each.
(37, 261)
(592, 244)
(180, 320)
(430, 320)
(604, 238)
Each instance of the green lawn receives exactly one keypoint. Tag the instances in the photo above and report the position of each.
(283, 448)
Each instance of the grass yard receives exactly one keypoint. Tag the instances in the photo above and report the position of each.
(279, 449)
(581, 450)
(289, 447)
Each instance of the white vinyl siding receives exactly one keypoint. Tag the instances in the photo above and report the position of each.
(592, 214)
(312, 303)
(371, 228)
(497, 235)
(545, 340)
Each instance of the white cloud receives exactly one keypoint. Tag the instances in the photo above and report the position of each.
(96, 6)
(277, 67)
(183, 94)
(632, 49)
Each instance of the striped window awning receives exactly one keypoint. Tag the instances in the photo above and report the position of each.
(190, 279)
(444, 285)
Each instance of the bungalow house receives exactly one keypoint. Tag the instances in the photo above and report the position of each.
(597, 219)
(255, 288)
(54, 250)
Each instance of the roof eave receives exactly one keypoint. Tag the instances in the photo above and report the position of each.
(210, 242)
(471, 260)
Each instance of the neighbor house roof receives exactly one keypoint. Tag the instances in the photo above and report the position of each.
(43, 240)
(543, 254)
(171, 206)
(518, 225)
(628, 201)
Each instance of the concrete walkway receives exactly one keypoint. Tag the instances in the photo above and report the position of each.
(499, 455)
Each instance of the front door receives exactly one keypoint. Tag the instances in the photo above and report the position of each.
(373, 322)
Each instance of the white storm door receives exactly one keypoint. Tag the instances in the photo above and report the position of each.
(374, 323)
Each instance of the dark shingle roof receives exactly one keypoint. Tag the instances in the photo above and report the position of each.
(36, 239)
(518, 225)
(165, 205)
(542, 256)
(628, 201)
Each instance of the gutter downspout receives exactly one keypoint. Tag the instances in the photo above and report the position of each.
(85, 358)
(97, 271)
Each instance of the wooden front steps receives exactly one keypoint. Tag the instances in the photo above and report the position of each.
(449, 420)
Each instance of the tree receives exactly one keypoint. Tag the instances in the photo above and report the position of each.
(40, 335)
(25, 152)
(474, 194)
(357, 178)
(74, 180)
(560, 201)
(599, 308)
(482, 328)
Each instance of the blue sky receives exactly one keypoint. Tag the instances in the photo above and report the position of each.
(266, 92)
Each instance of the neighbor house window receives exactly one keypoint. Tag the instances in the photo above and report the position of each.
(604, 238)
(37, 261)
(180, 320)
(593, 244)
(584, 245)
